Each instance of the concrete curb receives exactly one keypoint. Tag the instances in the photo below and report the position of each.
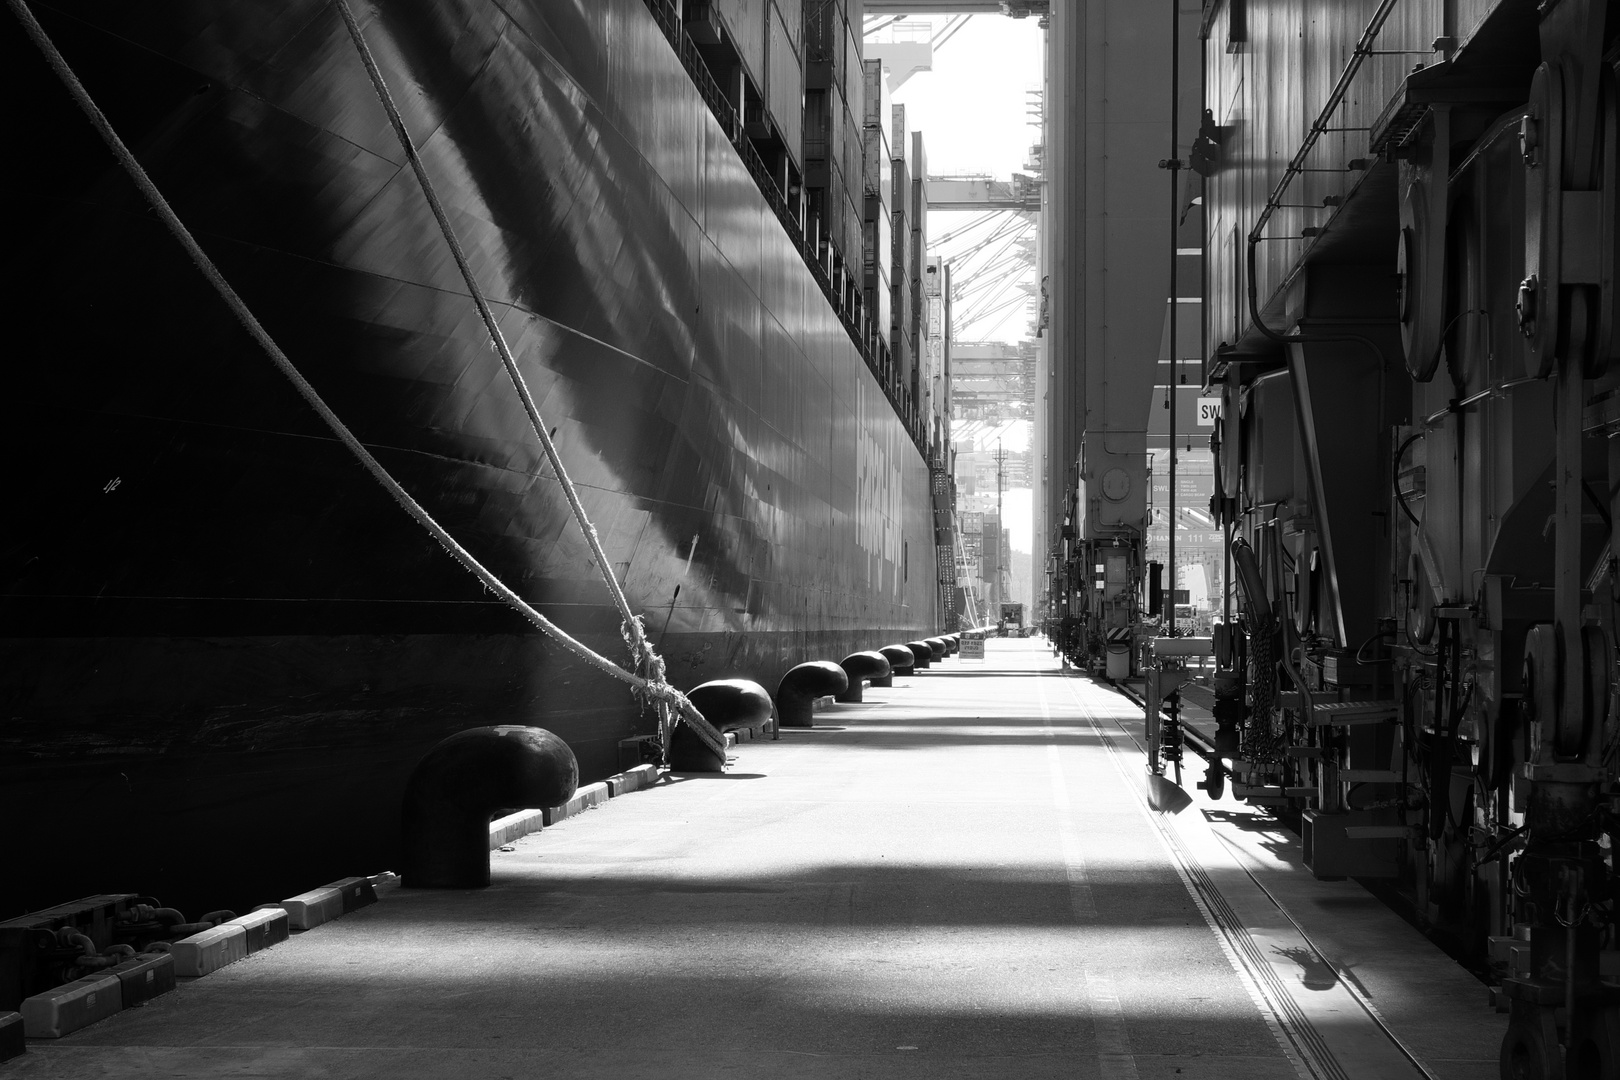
(503, 831)
(12, 1040)
(310, 909)
(144, 978)
(206, 952)
(586, 798)
(264, 927)
(506, 830)
(72, 1006)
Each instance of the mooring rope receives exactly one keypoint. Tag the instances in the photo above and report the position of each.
(654, 687)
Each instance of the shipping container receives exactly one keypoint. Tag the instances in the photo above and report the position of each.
(836, 215)
(875, 108)
(784, 86)
(823, 46)
(878, 243)
(899, 145)
(899, 187)
(853, 157)
(854, 92)
(820, 139)
(744, 21)
(853, 242)
(878, 178)
(791, 13)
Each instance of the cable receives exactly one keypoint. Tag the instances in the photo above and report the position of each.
(1395, 477)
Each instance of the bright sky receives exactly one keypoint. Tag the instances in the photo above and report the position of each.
(972, 109)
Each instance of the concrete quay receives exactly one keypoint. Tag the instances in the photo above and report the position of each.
(956, 878)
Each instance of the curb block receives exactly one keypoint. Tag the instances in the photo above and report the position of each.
(642, 776)
(356, 892)
(207, 952)
(11, 1036)
(584, 799)
(310, 909)
(504, 830)
(144, 978)
(264, 927)
(71, 1006)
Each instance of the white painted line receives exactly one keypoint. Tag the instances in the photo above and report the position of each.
(1074, 858)
(1227, 938)
(1115, 1060)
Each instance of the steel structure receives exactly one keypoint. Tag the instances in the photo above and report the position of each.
(1411, 308)
(1106, 241)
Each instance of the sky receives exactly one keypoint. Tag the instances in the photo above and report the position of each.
(972, 110)
(971, 107)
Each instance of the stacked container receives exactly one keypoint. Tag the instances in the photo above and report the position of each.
(831, 133)
(877, 223)
(902, 338)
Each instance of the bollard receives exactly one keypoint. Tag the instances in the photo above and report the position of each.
(727, 704)
(796, 694)
(921, 653)
(953, 644)
(901, 660)
(460, 782)
(864, 665)
(936, 647)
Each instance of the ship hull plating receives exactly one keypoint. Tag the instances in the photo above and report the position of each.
(224, 646)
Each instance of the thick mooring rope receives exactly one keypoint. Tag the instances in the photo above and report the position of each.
(654, 687)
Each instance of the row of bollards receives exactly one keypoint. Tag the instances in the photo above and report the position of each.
(469, 776)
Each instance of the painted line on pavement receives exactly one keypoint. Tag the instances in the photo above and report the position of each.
(1074, 857)
(1234, 940)
(1115, 1061)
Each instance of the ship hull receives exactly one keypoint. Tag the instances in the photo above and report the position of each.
(223, 646)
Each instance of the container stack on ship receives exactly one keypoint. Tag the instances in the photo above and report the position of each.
(225, 646)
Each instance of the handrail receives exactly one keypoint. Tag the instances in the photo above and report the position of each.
(1319, 126)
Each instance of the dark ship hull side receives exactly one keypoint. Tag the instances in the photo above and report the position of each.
(223, 646)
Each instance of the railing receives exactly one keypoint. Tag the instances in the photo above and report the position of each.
(664, 13)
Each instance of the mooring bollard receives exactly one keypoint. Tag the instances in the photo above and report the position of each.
(460, 782)
(953, 644)
(901, 660)
(922, 655)
(860, 666)
(727, 704)
(936, 646)
(796, 694)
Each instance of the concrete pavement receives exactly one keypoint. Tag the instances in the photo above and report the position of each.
(955, 879)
